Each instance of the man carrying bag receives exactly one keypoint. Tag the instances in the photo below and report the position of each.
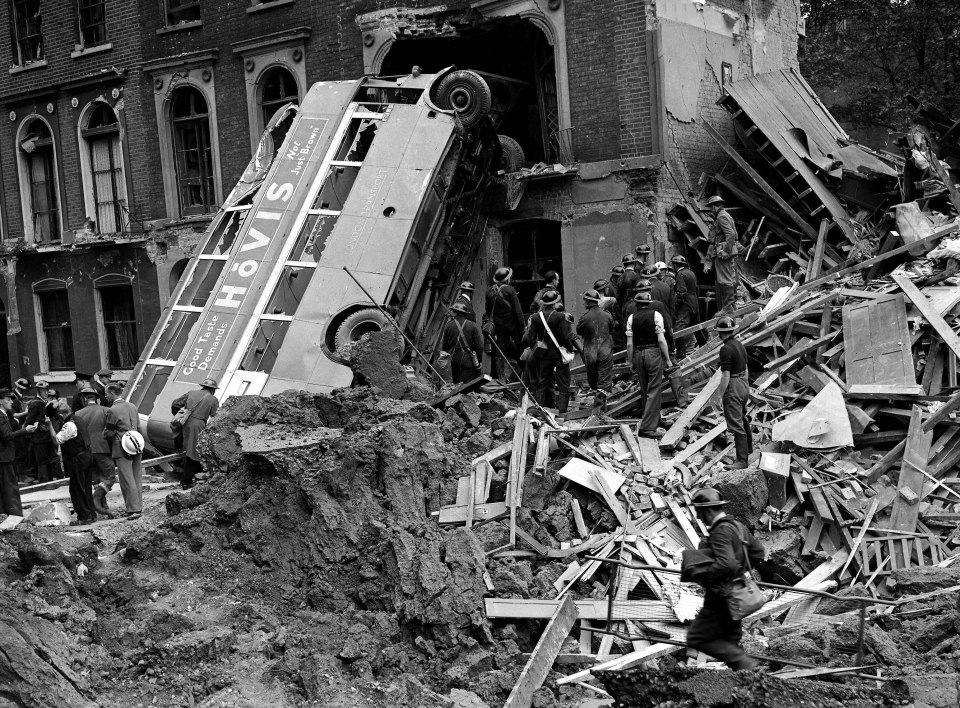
(722, 566)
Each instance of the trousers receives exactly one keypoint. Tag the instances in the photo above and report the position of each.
(726, 297)
(131, 482)
(106, 473)
(80, 469)
(648, 363)
(683, 320)
(716, 633)
(735, 400)
(9, 490)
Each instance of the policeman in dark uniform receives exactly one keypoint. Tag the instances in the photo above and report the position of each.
(648, 356)
(721, 558)
(462, 344)
(629, 279)
(734, 391)
(686, 300)
(595, 327)
(724, 249)
(546, 363)
(503, 317)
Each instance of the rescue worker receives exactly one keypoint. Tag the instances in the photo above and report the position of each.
(202, 404)
(9, 489)
(548, 329)
(648, 356)
(643, 252)
(465, 296)
(615, 274)
(666, 275)
(76, 450)
(608, 302)
(42, 453)
(93, 418)
(722, 557)
(660, 290)
(83, 381)
(724, 249)
(503, 320)
(122, 417)
(552, 284)
(686, 302)
(462, 345)
(596, 327)
(645, 286)
(629, 279)
(734, 391)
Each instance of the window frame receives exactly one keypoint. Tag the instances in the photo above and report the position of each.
(87, 136)
(268, 72)
(203, 148)
(172, 7)
(25, 170)
(18, 40)
(40, 290)
(113, 282)
(87, 5)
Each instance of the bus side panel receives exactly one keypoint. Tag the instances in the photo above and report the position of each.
(429, 141)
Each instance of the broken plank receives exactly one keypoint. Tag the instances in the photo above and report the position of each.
(541, 660)
(886, 462)
(497, 453)
(684, 521)
(698, 444)
(915, 458)
(813, 270)
(517, 466)
(609, 495)
(690, 413)
(941, 415)
(582, 529)
(481, 512)
(467, 387)
(929, 312)
(623, 662)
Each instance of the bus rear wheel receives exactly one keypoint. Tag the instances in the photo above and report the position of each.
(513, 156)
(466, 93)
(363, 322)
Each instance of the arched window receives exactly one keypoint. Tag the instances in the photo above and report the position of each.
(193, 156)
(104, 174)
(39, 173)
(278, 88)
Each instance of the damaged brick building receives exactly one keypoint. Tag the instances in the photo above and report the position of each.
(129, 123)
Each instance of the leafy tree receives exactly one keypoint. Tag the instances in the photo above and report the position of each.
(873, 53)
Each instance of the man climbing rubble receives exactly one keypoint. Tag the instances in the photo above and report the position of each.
(549, 330)
(686, 302)
(724, 555)
(724, 249)
(202, 404)
(462, 346)
(596, 327)
(503, 321)
(648, 356)
(734, 391)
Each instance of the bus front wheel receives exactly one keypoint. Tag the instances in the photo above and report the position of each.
(363, 322)
(466, 93)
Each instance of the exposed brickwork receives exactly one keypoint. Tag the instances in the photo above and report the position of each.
(633, 78)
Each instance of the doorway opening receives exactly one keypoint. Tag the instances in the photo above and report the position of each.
(532, 248)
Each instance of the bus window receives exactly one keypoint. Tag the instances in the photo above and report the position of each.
(357, 141)
(263, 350)
(175, 333)
(313, 237)
(149, 386)
(336, 187)
(223, 236)
(202, 281)
(289, 291)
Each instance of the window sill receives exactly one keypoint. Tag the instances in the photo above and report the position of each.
(87, 51)
(182, 27)
(270, 5)
(28, 67)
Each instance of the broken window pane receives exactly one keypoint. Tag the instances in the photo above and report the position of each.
(265, 347)
(175, 333)
(358, 140)
(336, 188)
(289, 291)
(202, 281)
(313, 238)
(225, 233)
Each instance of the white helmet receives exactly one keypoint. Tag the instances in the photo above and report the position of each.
(132, 442)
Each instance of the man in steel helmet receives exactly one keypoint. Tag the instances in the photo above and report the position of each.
(596, 327)
(465, 297)
(686, 301)
(629, 279)
(724, 249)
(503, 320)
(462, 344)
(648, 356)
(722, 557)
(734, 391)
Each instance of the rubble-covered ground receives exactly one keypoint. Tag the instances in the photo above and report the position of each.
(307, 571)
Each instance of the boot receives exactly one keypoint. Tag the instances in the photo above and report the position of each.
(599, 404)
(742, 461)
(100, 501)
(563, 401)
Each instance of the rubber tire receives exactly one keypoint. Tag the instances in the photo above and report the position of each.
(513, 157)
(466, 93)
(361, 322)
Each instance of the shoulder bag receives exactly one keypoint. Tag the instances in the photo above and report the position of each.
(565, 354)
(743, 595)
(180, 419)
(474, 362)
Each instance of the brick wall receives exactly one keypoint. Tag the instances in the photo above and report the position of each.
(633, 78)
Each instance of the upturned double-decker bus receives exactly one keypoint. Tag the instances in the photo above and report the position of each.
(382, 176)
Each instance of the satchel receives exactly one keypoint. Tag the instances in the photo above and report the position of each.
(474, 362)
(180, 419)
(743, 595)
(565, 354)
